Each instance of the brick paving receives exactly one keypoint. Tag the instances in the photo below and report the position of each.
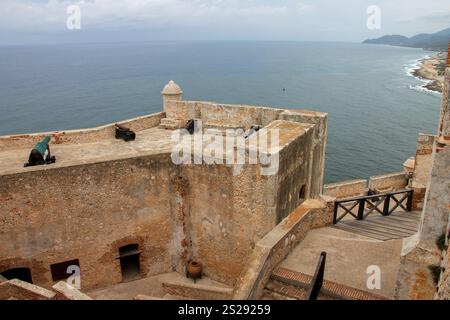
(302, 281)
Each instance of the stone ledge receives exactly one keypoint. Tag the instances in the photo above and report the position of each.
(197, 291)
(22, 290)
(346, 189)
(388, 182)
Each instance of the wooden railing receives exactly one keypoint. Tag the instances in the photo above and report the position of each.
(384, 204)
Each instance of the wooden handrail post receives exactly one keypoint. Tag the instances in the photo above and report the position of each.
(410, 200)
(387, 204)
(362, 206)
(336, 207)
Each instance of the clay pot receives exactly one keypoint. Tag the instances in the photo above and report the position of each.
(194, 270)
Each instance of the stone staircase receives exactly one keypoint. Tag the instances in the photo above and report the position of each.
(285, 284)
(276, 290)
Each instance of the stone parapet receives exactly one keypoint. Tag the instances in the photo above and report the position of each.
(388, 182)
(90, 135)
(346, 189)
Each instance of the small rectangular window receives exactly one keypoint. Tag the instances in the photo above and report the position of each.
(130, 262)
(59, 270)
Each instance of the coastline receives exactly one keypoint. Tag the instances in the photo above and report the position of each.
(431, 70)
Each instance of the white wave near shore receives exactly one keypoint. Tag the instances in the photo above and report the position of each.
(414, 68)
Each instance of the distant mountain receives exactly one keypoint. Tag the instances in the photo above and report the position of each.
(432, 41)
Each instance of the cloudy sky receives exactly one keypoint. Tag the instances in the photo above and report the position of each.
(44, 21)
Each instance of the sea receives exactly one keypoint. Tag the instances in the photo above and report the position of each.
(376, 106)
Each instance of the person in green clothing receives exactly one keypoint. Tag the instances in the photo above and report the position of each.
(40, 154)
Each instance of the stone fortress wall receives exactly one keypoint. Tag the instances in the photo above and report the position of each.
(431, 181)
(438, 197)
(87, 209)
(238, 226)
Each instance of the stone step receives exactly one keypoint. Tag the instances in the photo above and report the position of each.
(281, 291)
(329, 289)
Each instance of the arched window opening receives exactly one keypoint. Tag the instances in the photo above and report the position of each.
(23, 274)
(302, 193)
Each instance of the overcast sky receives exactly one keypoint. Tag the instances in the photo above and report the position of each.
(44, 21)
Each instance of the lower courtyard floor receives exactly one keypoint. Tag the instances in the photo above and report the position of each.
(168, 286)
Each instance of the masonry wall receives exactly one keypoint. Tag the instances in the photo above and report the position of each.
(175, 213)
(436, 212)
(423, 161)
(87, 212)
(244, 116)
(295, 173)
(228, 215)
(444, 119)
(388, 182)
(319, 141)
(231, 211)
(444, 281)
(215, 114)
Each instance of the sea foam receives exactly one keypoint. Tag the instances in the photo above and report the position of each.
(413, 66)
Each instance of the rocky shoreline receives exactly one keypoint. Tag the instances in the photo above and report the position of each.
(432, 69)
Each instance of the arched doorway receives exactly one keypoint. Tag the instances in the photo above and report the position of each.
(23, 274)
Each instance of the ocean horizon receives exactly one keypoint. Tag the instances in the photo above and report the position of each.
(376, 107)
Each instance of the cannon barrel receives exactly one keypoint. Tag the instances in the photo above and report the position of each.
(122, 127)
(40, 154)
(124, 133)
